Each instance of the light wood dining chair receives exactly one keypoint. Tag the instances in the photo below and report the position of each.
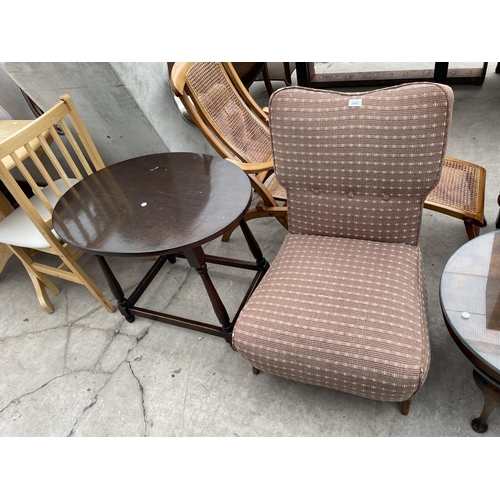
(28, 229)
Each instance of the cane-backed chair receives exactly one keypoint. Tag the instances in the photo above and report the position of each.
(235, 126)
(352, 308)
(28, 229)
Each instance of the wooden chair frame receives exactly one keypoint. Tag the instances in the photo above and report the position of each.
(81, 148)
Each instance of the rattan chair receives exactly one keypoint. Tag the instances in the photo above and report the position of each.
(344, 304)
(235, 135)
(235, 126)
(28, 229)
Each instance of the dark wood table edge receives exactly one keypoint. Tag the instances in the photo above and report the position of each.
(485, 376)
(158, 252)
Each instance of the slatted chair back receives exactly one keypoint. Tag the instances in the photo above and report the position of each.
(78, 153)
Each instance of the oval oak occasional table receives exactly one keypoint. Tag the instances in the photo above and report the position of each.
(165, 205)
(470, 301)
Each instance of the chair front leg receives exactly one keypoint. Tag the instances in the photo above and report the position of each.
(405, 407)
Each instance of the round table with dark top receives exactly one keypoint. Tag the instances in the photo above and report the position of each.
(165, 205)
(470, 301)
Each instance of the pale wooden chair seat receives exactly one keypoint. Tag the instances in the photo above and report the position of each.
(17, 228)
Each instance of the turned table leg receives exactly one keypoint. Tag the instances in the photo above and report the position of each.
(491, 393)
(253, 246)
(196, 258)
(116, 289)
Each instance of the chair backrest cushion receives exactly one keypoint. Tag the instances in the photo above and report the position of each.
(360, 165)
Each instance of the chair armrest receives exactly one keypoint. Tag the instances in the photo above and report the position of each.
(253, 168)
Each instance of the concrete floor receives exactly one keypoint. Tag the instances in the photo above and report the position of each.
(82, 371)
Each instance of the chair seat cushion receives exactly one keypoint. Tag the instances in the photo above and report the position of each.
(18, 230)
(341, 313)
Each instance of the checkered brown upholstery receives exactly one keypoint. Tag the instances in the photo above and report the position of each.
(344, 304)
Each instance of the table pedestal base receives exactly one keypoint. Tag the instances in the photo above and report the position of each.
(491, 392)
(198, 260)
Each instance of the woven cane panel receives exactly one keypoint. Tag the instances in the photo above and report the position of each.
(360, 171)
(458, 187)
(241, 129)
(346, 314)
(277, 189)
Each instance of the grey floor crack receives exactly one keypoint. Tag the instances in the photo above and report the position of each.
(17, 399)
(92, 403)
(179, 289)
(66, 347)
(32, 332)
(97, 366)
(141, 389)
(185, 395)
(83, 413)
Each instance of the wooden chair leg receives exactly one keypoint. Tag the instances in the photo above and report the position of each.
(255, 213)
(267, 80)
(41, 293)
(85, 280)
(472, 230)
(39, 280)
(405, 407)
(255, 371)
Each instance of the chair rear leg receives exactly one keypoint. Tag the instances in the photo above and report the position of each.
(41, 292)
(472, 230)
(39, 280)
(255, 371)
(85, 280)
(405, 407)
(256, 213)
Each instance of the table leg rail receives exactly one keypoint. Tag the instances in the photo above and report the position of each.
(182, 322)
(141, 287)
(198, 260)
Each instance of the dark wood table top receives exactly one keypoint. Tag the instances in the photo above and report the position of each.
(470, 299)
(153, 205)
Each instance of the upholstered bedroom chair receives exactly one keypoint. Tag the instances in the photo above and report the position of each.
(344, 303)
